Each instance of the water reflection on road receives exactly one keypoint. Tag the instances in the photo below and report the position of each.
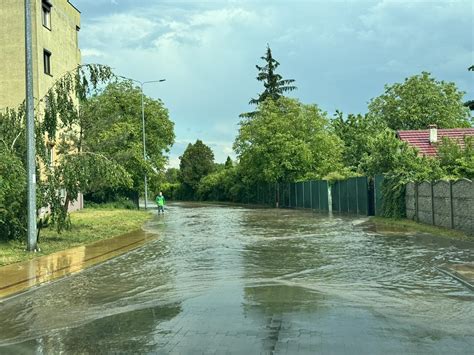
(254, 280)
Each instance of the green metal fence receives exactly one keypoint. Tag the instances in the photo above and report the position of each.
(304, 194)
(358, 195)
(352, 196)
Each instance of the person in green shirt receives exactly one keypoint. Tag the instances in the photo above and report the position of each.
(160, 202)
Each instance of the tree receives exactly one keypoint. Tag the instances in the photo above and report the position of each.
(286, 141)
(78, 169)
(275, 85)
(221, 185)
(228, 163)
(418, 102)
(112, 126)
(355, 131)
(457, 161)
(470, 103)
(400, 164)
(196, 162)
(61, 125)
(12, 195)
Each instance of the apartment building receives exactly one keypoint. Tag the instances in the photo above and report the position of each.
(56, 24)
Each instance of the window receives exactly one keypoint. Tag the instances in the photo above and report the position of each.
(47, 62)
(46, 14)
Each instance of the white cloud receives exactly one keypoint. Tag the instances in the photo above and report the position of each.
(91, 52)
(341, 53)
(117, 30)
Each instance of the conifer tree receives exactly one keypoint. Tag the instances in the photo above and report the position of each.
(275, 85)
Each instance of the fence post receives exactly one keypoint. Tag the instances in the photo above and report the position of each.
(296, 195)
(432, 204)
(416, 202)
(451, 202)
(357, 195)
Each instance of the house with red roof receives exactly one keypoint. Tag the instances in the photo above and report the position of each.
(426, 140)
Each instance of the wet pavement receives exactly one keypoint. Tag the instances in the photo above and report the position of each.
(22, 276)
(238, 280)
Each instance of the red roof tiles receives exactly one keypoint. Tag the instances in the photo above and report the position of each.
(421, 139)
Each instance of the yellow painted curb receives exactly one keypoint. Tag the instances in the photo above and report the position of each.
(16, 278)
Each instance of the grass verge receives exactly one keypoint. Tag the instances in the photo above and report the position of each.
(88, 225)
(391, 224)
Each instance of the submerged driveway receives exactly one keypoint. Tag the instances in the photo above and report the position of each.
(239, 280)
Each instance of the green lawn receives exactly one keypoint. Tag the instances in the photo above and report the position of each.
(391, 224)
(88, 225)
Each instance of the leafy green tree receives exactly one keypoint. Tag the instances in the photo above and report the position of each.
(274, 84)
(58, 122)
(196, 162)
(389, 155)
(228, 163)
(400, 164)
(457, 161)
(287, 141)
(83, 172)
(220, 185)
(355, 131)
(418, 102)
(172, 175)
(12, 195)
(112, 126)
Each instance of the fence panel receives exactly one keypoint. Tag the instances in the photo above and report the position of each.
(293, 195)
(307, 194)
(336, 196)
(352, 195)
(344, 207)
(299, 194)
(323, 195)
(315, 195)
(362, 195)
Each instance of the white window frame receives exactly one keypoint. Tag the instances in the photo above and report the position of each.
(46, 14)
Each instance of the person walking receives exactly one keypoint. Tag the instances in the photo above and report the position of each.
(160, 202)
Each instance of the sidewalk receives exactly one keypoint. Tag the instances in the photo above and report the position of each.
(16, 278)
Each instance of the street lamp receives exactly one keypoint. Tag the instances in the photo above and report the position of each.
(30, 132)
(142, 83)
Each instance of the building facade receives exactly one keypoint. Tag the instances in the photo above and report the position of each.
(55, 24)
(55, 32)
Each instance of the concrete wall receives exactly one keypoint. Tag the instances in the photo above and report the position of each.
(448, 204)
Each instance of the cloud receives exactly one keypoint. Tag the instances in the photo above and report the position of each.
(91, 52)
(341, 53)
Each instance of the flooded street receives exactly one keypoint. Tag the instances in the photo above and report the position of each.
(240, 280)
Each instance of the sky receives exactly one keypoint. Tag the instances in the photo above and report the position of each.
(340, 53)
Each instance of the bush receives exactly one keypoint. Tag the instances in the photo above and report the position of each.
(120, 203)
(12, 197)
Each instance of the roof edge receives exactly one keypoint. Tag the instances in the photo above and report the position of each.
(74, 7)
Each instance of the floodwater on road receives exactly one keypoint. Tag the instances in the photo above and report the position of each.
(240, 280)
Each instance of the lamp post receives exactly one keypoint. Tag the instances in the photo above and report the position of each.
(30, 132)
(142, 83)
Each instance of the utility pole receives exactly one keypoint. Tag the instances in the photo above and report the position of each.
(30, 131)
(142, 83)
(143, 131)
(144, 147)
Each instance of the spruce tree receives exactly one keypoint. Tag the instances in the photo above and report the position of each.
(275, 85)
